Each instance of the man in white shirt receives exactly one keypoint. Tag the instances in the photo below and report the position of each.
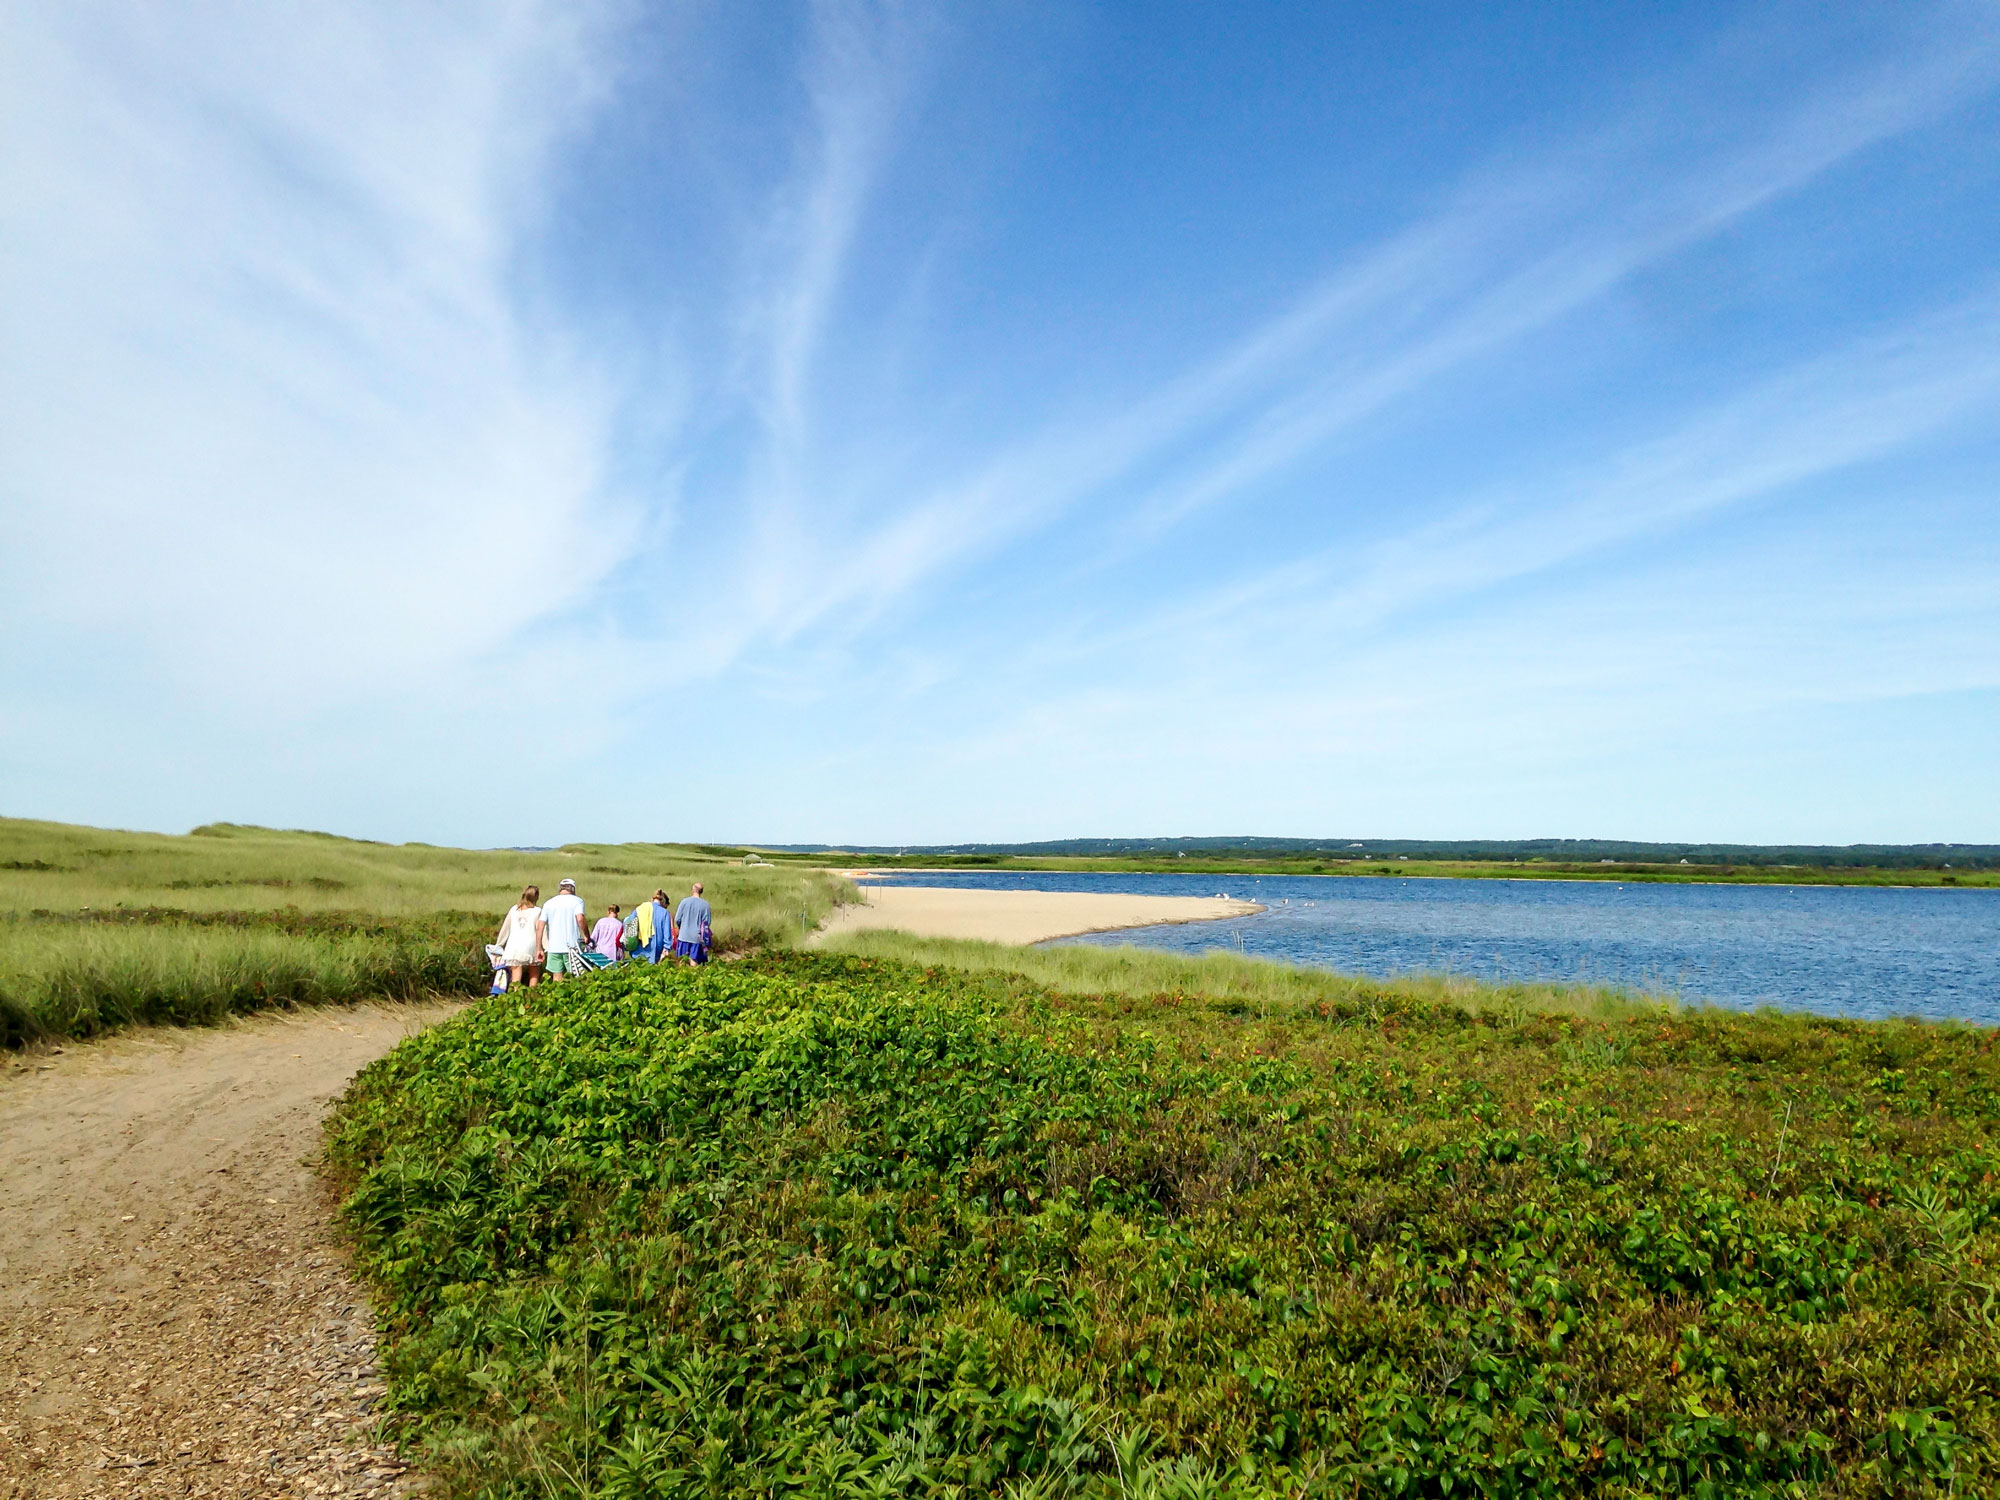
(563, 918)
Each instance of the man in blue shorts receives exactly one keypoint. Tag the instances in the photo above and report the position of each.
(691, 920)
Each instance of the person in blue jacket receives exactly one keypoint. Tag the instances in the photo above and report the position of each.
(663, 929)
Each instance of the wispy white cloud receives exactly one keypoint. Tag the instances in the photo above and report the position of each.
(1512, 251)
(1830, 414)
(273, 372)
(860, 65)
(1337, 663)
(857, 70)
(1521, 248)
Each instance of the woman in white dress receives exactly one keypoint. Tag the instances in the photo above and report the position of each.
(520, 938)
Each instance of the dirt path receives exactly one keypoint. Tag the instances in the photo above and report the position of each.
(175, 1318)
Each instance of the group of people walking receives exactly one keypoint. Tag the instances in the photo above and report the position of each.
(557, 939)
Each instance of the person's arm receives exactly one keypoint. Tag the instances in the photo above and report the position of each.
(541, 936)
(500, 937)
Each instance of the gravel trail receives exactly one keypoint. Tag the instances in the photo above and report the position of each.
(176, 1317)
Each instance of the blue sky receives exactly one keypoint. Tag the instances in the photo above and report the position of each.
(513, 423)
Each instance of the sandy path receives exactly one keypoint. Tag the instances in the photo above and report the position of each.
(1020, 916)
(175, 1315)
(175, 1319)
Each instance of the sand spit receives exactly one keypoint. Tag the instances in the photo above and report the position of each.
(1021, 916)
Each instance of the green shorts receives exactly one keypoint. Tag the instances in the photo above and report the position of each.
(558, 963)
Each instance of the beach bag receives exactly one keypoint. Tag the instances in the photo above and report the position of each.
(497, 956)
(630, 936)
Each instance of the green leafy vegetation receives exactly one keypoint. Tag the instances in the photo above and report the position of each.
(100, 929)
(823, 1225)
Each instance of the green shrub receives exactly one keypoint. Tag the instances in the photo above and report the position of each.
(833, 1227)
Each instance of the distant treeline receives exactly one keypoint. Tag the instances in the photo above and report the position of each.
(1623, 851)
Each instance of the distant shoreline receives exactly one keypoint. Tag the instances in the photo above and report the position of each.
(1414, 869)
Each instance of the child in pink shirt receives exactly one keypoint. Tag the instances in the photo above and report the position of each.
(604, 936)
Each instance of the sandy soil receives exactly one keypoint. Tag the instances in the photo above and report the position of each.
(175, 1316)
(1021, 916)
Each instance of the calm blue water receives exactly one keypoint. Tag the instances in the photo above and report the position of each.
(1837, 950)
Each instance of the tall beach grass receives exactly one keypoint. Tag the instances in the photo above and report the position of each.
(78, 979)
(59, 867)
(1229, 978)
(101, 928)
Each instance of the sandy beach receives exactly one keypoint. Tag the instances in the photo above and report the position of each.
(1021, 916)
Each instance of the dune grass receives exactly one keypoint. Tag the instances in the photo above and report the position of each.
(78, 979)
(61, 867)
(1254, 984)
(104, 928)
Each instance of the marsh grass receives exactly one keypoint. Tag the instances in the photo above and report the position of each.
(79, 979)
(60, 867)
(1231, 980)
(101, 928)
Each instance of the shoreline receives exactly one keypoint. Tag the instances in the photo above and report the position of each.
(1947, 884)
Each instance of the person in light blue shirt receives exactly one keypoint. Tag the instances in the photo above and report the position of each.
(691, 923)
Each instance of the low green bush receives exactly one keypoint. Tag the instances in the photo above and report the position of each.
(828, 1226)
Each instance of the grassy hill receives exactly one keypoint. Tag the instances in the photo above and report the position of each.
(103, 928)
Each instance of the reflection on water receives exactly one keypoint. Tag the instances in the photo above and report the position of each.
(1837, 950)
